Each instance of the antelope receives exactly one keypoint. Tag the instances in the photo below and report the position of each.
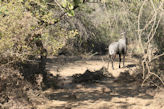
(120, 48)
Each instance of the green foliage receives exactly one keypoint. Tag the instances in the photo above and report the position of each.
(69, 6)
(103, 22)
(54, 41)
(21, 20)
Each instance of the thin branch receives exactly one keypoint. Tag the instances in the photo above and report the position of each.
(157, 77)
(158, 56)
(147, 77)
(147, 25)
(143, 69)
(139, 29)
(153, 34)
(152, 27)
(155, 84)
(59, 5)
(153, 6)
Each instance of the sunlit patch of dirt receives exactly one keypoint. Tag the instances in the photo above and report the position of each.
(75, 83)
(87, 84)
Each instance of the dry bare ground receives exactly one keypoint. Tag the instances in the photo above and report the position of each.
(118, 90)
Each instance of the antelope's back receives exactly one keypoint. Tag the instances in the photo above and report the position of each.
(113, 48)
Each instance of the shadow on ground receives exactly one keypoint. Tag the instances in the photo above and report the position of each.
(103, 89)
(72, 59)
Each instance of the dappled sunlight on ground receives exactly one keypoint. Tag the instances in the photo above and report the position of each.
(119, 91)
(80, 66)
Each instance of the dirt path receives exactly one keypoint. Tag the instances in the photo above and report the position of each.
(105, 94)
(73, 65)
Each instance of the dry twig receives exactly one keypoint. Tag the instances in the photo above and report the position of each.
(147, 71)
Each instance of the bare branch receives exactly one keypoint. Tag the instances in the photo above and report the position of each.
(158, 56)
(139, 29)
(157, 77)
(153, 24)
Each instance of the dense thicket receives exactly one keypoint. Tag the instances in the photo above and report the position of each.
(29, 31)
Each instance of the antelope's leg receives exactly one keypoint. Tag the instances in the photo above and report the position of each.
(109, 58)
(113, 58)
(112, 63)
(119, 60)
(123, 60)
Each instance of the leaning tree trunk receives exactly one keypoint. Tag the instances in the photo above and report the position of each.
(43, 57)
(35, 41)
